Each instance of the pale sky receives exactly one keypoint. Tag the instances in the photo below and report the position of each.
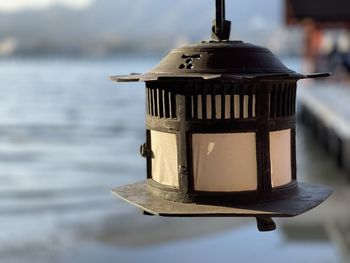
(15, 5)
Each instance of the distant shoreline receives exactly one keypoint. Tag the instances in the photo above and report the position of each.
(82, 56)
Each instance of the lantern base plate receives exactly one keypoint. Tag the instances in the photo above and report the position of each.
(305, 198)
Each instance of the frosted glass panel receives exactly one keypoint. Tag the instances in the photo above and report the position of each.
(164, 160)
(224, 162)
(280, 154)
(245, 106)
(237, 107)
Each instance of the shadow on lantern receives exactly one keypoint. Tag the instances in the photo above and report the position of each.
(220, 137)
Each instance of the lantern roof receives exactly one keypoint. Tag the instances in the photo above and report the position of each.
(219, 59)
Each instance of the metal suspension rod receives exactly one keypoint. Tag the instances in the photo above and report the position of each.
(220, 16)
(221, 27)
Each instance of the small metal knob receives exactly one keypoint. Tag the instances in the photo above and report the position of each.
(144, 151)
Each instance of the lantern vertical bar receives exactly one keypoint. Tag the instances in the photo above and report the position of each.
(250, 102)
(223, 100)
(213, 102)
(204, 102)
(294, 98)
(195, 103)
(150, 101)
(280, 100)
(183, 105)
(149, 155)
(274, 102)
(258, 139)
(289, 99)
(160, 96)
(166, 103)
(286, 99)
(154, 102)
(241, 100)
(293, 154)
(232, 97)
(264, 136)
(173, 105)
(147, 101)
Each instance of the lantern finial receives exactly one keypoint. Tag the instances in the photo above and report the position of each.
(221, 27)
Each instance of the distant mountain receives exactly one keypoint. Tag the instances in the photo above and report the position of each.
(118, 25)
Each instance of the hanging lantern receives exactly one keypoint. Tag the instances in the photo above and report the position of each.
(220, 135)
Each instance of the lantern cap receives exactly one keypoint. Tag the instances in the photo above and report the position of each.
(226, 60)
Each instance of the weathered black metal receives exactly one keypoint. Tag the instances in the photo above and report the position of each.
(221, 69)
(184, 125)
(305, 198)
(265, 224)
(225, 61)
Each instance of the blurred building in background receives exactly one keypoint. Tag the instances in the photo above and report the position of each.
(326, 27)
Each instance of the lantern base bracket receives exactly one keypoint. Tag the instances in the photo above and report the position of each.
(265, 224)
(305, 198)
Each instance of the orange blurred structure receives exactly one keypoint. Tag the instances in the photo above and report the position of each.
(315, 17)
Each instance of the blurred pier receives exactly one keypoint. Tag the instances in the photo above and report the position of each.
(325, 110)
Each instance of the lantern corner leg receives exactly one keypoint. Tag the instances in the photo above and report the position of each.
(147, 213)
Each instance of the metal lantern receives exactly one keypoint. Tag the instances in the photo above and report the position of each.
(220, 138)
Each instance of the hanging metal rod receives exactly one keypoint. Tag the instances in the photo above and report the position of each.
(221, 27)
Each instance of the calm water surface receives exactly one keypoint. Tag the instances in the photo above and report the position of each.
(67, 136)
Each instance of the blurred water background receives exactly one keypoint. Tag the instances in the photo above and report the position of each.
(68, 135)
